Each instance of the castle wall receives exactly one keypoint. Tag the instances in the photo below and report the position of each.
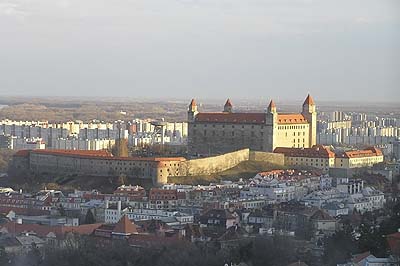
(158, 169)
(94, 166)
(273, 158)
(215, 164)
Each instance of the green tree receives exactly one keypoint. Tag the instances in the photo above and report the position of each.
(89, 218)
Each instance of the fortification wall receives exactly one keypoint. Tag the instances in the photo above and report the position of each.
(274, 158)
(157, 170)
(215, 164)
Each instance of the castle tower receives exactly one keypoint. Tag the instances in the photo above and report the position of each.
(271, 118)
(228, 106)
(310, 113)
(192, 111)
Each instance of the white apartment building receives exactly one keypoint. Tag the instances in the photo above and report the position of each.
(114, 213)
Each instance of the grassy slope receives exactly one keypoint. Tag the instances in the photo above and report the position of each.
(243, 170)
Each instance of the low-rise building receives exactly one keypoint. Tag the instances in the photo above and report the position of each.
(317, 156)
(114, 212)
(359, 158)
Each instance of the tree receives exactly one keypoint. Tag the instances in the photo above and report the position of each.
(120, 149)
(89, 218)
(340, 246)
(121, 180)
(4, 258)
(371, 239)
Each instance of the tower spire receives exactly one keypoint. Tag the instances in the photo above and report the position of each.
(192, 103)
(309, 100)
(228, 106)
(272, 106)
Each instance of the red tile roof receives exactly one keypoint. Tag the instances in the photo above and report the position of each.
(271, 104)
(101, 154)
(309, 100)
(359, 257)
(22, 153)
(44, 230)
(248, 118)
(394, 242)
(236, 118)
(291, 119)
(317, 151)
(125, 226)
(84, 229)
(369, 152)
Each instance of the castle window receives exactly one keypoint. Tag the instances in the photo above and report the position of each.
(233, 133)
(205, 132)
(213, 125)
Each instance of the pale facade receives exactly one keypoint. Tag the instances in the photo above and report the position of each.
(221, 132)
(317, 156)
(360, 158)
(323, 158)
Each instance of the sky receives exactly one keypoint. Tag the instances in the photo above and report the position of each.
(253, 49)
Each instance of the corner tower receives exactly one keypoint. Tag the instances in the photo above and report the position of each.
(310, 113)
(271, 120)
(192, 111)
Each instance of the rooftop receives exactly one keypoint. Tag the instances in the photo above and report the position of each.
(317, 151)
(369, 152)
(248, 118)
(100, 154)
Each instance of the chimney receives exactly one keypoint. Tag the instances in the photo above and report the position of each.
(106, 203)
(119, 206)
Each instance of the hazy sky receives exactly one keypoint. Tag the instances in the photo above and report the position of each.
(339, 49)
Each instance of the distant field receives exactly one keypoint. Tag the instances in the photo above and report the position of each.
(108, 109)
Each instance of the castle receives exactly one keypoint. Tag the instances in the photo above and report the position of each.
(226, 131)
(83, 164)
